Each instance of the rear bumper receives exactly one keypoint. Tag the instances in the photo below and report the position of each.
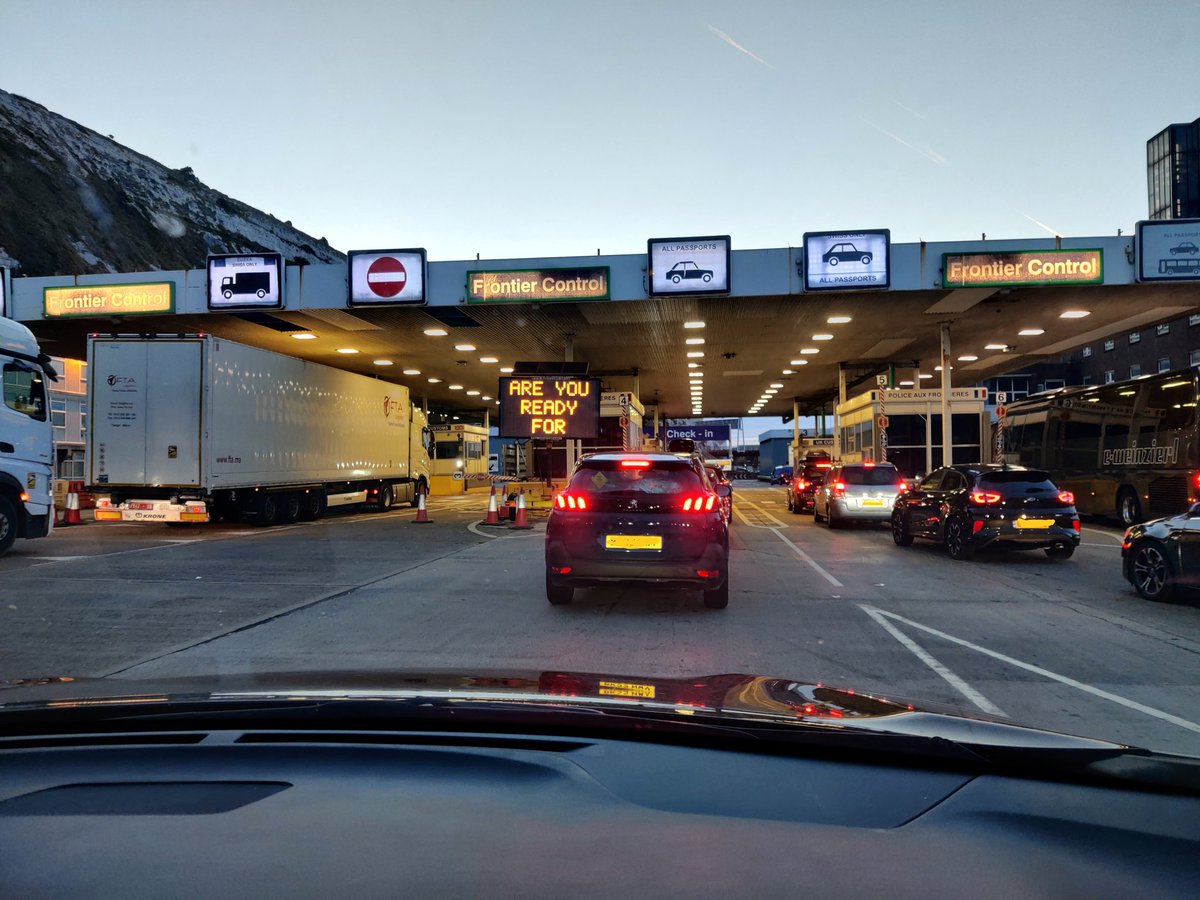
(1025, 539)
(151, 511)
(593, 572)
(846, 511)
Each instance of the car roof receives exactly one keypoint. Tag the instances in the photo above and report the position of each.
(653, 456)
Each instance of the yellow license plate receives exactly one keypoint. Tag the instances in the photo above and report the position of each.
(626, 689)
(872, 503)
(633, 541)
(1033, 523)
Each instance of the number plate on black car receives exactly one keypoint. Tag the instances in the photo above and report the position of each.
(633, 542)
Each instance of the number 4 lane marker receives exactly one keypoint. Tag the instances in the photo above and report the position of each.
(878, 614)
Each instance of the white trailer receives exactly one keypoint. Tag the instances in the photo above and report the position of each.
(26, 437)
(197, 428)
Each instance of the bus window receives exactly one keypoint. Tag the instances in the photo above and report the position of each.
(1081, 438)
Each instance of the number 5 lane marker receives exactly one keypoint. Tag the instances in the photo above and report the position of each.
(879, 614)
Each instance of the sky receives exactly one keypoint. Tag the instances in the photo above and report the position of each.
(560, 128)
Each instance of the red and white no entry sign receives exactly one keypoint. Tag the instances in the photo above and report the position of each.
(386, 277)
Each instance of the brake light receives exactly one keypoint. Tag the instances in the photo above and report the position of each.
(1066, 497)
(635, 464)
(700, 503)
(902, 486)
(839, 487)
(976, 526)
(830, 466)
(567, 500)
(869, 464)
(985, 498)
(801, 485)
(1075, 525)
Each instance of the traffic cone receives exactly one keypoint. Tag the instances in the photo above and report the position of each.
(493, 512)
(422, 515)
(72, 513)
(522, 520)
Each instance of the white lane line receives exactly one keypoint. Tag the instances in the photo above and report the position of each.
(473, 527)
(58, 559)
(765, 514)
(1046, 673)
(808, 559)
(924, 656)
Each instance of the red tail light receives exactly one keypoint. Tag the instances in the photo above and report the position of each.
(985, 498)
(839, 487)
(700, 503)
(567, 500)
(801, 485)
(902, 486)
(868, 464)
(1075, 525)
(1067, 497)
(976, 526)
(635, 464)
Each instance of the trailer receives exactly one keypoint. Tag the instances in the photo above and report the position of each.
(198, 428)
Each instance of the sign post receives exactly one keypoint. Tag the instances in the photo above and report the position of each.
(1001, 412)
(882, 422)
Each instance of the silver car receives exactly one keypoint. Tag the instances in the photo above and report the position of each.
(854, 491)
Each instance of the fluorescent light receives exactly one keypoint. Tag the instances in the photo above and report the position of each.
(694, 341)
(968, 358)
(838, 320)
(1031, 332)
(906, 384)
(799, 362)
(1075, 314)
(809, 351)
(995, 346)
(507, 370)
(485, 397)
(787, 372)
(436, 332)
(465, 348)
(926, 375)
(472, 393)
(304, 336)
(777, 384)
(693, 324)
(488, 359)
(694, 365)
(696, 354)
(412, 371)
(771, 391)
(435, 381)
(822, 337)
(455, 387)
(383, 362)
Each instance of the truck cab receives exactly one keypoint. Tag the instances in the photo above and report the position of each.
(26, 437)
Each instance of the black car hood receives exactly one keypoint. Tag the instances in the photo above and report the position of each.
(737, 700)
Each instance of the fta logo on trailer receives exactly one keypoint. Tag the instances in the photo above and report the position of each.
(245, 282)
(387, 277)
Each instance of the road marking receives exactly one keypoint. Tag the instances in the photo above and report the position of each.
(775, 529)
(473, 527)
(766, 514)
(58, 559)
(1046, 673)
(924, 656)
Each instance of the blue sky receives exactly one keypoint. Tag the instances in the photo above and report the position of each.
(554, 128)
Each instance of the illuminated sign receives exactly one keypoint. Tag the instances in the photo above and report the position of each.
(1022, 267)
(1169, 250)
(108, 299)
(549, 406)
(245, 282)
(689, 265)
(699, 432)
(530, 285)
(847, 260)
(379, 277)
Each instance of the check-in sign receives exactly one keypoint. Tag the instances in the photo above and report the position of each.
(697, 265)
(1022, 267)
(549, 406)
(1169, 250)
(108, 299)
(245, 282)
(847, 260)
(387, 277)
(535, 285)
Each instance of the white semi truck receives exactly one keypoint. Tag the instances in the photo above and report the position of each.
(198, 428)
(26, 438)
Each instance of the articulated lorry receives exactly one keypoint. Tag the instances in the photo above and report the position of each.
(26, 438)
(198, 428)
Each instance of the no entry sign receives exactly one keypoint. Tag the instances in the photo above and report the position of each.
(387, 276)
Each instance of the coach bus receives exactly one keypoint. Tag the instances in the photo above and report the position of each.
(1128, 448)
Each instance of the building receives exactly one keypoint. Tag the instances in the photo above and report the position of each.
(1173, 172)
(774, 449)
(69, 415)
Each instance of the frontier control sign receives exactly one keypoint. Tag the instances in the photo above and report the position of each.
(549, 406)
(109, 299)
(535, 285)
(1022, 267)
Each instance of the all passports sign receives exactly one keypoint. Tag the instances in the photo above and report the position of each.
(847, 260)
(549, 406)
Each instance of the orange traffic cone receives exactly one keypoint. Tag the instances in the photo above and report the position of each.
(422, 515)
(493, 512)
(522, 520)
(72, 508)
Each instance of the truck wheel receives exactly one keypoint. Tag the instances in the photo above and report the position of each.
(310, 505)
(290, 507)
(267, 510)
(8, 524)
(385, 497)
(228, 295)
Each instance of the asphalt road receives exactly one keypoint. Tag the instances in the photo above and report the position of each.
(1065, 645)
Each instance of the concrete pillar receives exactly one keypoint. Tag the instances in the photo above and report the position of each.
(947, 386)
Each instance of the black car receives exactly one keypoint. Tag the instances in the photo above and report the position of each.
(781, 475)
(803, 488)
(968, 507)
(649, 517)
(845, 252)
(688, 270)
(1161, 557)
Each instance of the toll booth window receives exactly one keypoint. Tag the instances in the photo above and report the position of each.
(24, 391)
(446, 449)
(474, 450)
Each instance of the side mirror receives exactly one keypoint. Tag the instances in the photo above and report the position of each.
(723, 491)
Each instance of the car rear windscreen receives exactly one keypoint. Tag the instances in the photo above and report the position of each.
(1018, 483)
(870, 475)
(604, 481)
